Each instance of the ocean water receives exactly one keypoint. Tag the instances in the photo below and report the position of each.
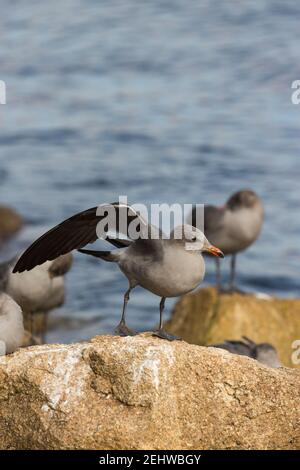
(162, 101)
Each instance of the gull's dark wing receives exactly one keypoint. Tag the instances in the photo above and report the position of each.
(72, 234)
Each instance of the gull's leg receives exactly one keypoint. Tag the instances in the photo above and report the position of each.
(44, 328)
(122, 329)
(31, 328)
(31, 323)
(161, 333)
(218, 275)
(232, 287)
(232, 272)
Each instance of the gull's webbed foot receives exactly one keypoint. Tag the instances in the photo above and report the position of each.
(165, 335)
(123, 330)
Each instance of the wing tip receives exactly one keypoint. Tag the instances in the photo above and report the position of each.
(19, 269)
(23, 265)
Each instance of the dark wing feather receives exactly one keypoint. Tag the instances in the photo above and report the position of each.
(71, 234)
(118, 242)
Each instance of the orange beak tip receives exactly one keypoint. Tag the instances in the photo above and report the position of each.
(216, 252)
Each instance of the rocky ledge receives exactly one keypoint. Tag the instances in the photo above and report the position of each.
(144, 393)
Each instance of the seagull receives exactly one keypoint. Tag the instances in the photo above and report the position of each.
(262, 352)
(166, 266)
(233, 227)
(39, 290)
(11, 325)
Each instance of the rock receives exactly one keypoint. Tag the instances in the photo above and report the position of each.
(144, 393)
(10, 223)
(204, 317)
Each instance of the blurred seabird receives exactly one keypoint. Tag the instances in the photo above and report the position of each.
(233, 227)
(39, 290)
(11, 325)
(262, 352)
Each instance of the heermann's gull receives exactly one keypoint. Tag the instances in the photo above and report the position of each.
(39, 290)
(11, 325)
(233, 227)
(262, 352)
(165, 267)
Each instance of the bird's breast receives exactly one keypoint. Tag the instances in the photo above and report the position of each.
(176, 274)
(238, 231)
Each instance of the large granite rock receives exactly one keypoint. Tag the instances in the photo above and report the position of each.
(204, 317)
(145, 393)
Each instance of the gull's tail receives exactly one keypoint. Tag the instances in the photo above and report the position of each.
(106, 255)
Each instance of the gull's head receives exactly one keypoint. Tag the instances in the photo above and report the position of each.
(267, 354)
(244, 199)
(194, 240)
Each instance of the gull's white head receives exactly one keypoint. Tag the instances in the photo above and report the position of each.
(194, 240)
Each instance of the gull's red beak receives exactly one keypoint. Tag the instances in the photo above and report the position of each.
(215, 251)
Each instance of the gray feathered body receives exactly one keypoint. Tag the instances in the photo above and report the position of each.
(166, 270)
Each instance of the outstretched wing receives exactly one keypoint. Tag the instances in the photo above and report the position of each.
(72, 234)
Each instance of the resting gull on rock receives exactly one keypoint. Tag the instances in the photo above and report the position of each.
(39, 290)
(262, 352)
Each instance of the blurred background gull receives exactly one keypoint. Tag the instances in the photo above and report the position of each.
(164, 101)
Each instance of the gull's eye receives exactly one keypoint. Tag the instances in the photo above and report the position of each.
(194, 238)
